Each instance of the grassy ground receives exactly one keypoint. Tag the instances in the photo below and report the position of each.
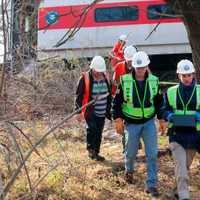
(77, 177)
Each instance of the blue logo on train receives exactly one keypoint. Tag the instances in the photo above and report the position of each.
(51, 17)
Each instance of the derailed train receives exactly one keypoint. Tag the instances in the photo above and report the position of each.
(102, 24)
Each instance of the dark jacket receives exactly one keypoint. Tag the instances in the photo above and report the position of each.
(187, 137)
(80, 94)
(119, 99)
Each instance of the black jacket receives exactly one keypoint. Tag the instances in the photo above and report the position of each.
(119, 99)
(80, 94)
(187, 137)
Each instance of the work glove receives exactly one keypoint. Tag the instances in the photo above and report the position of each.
(170, 117)
(198, 116)
(119, 126)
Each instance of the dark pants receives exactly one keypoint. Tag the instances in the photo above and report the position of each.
(94, 130)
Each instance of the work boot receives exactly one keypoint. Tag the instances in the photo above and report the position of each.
(91, 154)
(128, 177)
(97, 157)
(175, 194)
(153, 191)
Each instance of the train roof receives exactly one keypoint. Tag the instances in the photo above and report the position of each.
(55, 3)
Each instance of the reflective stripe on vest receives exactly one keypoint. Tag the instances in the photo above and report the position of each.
(128, 109)
(172, 98)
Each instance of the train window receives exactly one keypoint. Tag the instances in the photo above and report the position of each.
(156, 11)
(115, 14)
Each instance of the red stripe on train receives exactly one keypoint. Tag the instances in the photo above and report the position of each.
(70, 15)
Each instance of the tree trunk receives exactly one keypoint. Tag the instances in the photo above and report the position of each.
(190, 11)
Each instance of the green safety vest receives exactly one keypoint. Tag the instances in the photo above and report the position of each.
(128, 86)
(172, 93)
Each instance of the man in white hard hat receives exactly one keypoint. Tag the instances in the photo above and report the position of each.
(123, 67)
(92, 85)
(117, 53)
(183, 115)
(137, 101)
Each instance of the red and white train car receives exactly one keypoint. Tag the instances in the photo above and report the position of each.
(104, 22)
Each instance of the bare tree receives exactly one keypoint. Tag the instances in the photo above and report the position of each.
(4, 17)
(190, 12)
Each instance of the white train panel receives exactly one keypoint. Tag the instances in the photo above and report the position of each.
(99, 37)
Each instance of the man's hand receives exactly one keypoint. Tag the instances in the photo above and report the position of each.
(119, 126)
(162, 126)
(77, 117)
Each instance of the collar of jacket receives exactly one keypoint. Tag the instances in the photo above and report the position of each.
(92, 78)
(187, 87)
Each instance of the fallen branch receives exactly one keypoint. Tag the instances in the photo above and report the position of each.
(14, 176)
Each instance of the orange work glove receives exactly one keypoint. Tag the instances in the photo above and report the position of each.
(119, 126)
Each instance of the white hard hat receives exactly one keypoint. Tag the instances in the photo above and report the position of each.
(185, 67)
(123, 38)
(140, 59)
(98, 64)
(129, 52)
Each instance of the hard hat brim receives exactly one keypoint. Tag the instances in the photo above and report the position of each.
(98, 70)
(179, 72)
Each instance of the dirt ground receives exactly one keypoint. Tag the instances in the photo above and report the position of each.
(77, 177)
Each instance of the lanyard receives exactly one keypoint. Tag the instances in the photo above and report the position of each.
(145, 91)
(186, 105)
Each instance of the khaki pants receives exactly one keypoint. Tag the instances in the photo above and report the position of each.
(183, 159)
